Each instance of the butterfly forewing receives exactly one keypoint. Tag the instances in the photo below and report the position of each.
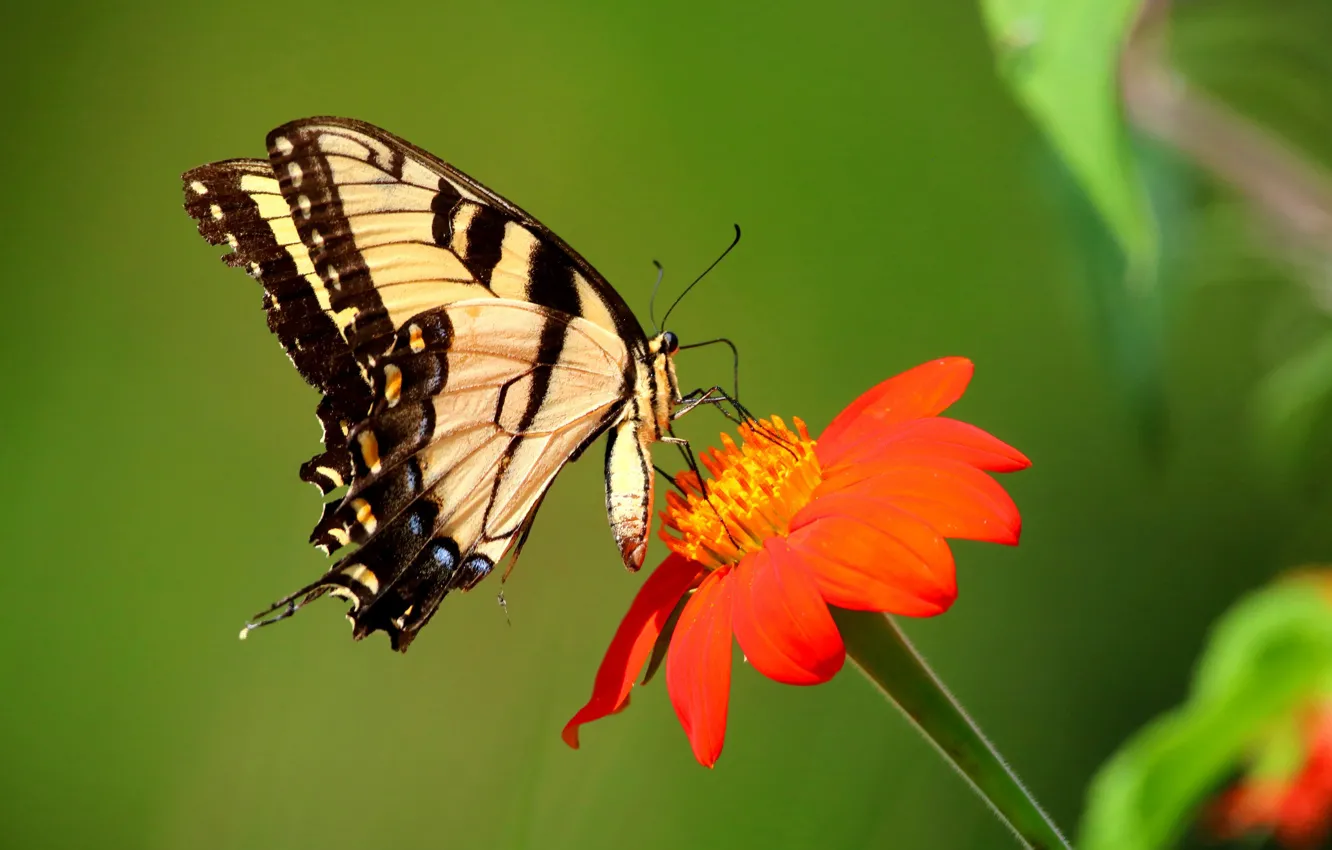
(239, 203)
(393, 231)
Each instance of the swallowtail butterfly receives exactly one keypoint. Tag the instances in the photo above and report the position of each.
(465, 354)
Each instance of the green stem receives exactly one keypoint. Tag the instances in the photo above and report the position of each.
(883, 653)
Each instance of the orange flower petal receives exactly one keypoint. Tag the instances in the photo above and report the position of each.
(633, 641)
(781, 620)
(874, 559)
(698, 666)
(934, 438)
(1303, 821)
(926, 390)
(959, 501)
(1251, 806)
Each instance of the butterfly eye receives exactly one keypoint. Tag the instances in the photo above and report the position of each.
(670, 343)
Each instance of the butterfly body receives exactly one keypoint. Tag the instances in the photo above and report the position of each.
(464, 352)
(628, 462)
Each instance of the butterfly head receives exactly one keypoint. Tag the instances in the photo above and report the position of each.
(662, 349)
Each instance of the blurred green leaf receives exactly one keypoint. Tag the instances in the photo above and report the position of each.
(1266, 656)
(1129, 321)
(1288, 401)
(1061, 60)
(1273, 74)
(1282, 752)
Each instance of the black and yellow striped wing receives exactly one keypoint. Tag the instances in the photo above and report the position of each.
(464, 351)
(473, 418)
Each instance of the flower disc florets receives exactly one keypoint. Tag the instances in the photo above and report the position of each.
(756, 488)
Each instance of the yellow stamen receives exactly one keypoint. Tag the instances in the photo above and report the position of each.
(755, 490)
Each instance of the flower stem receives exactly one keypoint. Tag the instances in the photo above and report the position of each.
(883, 653)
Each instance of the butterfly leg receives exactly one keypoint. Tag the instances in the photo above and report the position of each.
(670, 479)
(717, 397)
(688, 452)
(697, 398)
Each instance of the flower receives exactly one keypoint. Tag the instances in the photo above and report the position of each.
(790, 526)
(1297, 806)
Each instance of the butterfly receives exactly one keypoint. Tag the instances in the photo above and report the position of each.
(465, 354)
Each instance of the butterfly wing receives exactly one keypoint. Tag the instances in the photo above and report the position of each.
(390, 277)
(471, 423)
(350, 228)
(239, 203)
(392, 230)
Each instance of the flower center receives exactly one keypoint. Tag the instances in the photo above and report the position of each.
(755, 489)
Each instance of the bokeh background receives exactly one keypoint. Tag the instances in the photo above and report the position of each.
(897, 206)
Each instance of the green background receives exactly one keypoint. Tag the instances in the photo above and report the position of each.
(896, 208)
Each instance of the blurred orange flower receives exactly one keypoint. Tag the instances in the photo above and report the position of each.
(790, 526)
(1298, 807)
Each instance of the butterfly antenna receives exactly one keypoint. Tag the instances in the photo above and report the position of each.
(652, 302)
(680, 297)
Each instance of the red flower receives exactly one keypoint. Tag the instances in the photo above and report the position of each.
(1298, 808)
(789, 527)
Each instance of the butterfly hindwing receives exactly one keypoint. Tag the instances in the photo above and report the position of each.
(450, 474)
